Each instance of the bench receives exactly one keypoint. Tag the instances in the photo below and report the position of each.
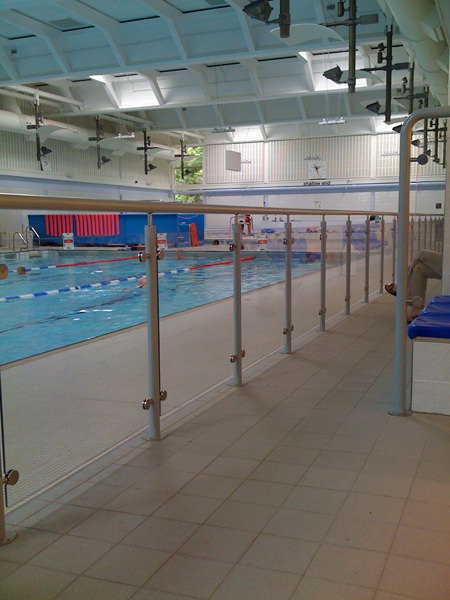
(430, 333)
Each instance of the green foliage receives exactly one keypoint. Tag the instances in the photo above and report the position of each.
(193, 168)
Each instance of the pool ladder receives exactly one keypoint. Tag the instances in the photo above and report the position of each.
(26, 240)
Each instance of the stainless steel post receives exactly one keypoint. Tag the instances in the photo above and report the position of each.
(419, 235)
(382, 257)
(323, 274)
(432, 233)
(154, 385)
(348, 266)
(288, 289)
(6, 533)
(425, 232)
(401, 405)
(237, 324)
(367, 262)
(411, 239)
(394, 247)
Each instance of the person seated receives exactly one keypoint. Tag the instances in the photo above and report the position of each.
(427, 265)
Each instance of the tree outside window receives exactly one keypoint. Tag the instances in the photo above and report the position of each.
(193, 173)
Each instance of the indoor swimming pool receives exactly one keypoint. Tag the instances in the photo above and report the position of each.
(69, 297)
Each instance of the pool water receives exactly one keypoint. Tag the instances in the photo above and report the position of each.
(39, 324)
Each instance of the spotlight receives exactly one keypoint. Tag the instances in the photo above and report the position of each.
(258, 9)
(415, 143)
(334, 74)
(45, 150)
(422, 159)
(151, 167)
(397, 128)
(374, 107)
(104, 160)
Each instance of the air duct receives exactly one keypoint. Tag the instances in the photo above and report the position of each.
(413, 18)
(76, 136)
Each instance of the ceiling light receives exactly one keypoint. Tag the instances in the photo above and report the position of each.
(338, 121)
(259, 9)
(333, 74)
(374, 107)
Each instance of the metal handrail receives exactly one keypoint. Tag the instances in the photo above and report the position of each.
(402, 404)
(30, 228)
(21, 237)
(23, 202)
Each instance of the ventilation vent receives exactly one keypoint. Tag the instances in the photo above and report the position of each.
(66, 24)
(216, 2)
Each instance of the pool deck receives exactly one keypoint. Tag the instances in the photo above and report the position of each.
(297, 486)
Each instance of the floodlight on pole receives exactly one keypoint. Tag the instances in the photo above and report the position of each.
(374, 107)
(259, 10)
(334, 74)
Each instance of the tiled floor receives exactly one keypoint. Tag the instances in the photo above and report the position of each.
(297, 486)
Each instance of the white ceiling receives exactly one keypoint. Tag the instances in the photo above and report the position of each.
(196, 65)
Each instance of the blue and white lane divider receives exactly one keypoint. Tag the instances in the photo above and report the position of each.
(76, 288)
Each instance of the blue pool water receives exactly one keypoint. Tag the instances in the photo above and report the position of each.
(35, 325)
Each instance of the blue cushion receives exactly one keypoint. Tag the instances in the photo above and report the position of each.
(433, 321)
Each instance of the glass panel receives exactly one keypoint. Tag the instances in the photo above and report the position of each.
(73, 348)
(263, 286)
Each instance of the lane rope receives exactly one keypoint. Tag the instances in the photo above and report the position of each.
(81, 264)
(100, 284)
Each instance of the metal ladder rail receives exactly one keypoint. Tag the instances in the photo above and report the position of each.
(21, 237)
(30, 228)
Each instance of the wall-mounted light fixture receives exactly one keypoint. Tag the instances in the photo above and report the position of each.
(99, 136)
(351, 23)
(38, 122)
(259, 10)
(334, 74)
(374, 107)
(146, 147)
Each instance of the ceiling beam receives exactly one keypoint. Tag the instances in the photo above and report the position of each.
(261, 116)
(153, 81)
(43, 94)
(179, 113)
(7, 64)
(51, 37)
(301, 107)
(171, 15)
(107, 25)
(348, 108)
(250, 64)
(201, 71)
(237, 6)
(306, 57)
(109, 89)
